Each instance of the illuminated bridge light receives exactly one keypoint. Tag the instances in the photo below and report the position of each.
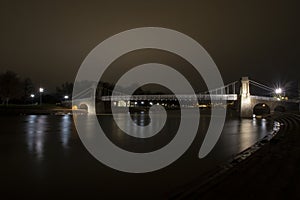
(278, 91)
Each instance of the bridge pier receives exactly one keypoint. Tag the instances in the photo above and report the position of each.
(248, 104)
(246, 107)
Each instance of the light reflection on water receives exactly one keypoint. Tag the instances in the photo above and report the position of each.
(246, 136)
(237, 135)
(140, 120)
(65, 130)
(252, 132)
(38, 128)
(35, 132)
(45, 149)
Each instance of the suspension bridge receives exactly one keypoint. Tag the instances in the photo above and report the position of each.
(237, 91)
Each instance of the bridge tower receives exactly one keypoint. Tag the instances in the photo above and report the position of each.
(245, 98)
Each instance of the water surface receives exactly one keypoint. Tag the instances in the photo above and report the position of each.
(42, 156)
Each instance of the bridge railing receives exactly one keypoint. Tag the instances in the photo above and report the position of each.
(170, 97)
(274, 99)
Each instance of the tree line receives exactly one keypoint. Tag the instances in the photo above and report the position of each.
(17, 90)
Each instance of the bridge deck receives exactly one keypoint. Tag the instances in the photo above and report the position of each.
(274, 99)
(224, 97)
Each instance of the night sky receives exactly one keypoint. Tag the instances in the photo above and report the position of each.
(48, 40)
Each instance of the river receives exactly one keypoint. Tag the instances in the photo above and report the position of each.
(42, 156)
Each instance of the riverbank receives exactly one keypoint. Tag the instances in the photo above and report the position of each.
(272, 172)
(47, 109)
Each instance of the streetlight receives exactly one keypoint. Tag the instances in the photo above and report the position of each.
(32, 98)
(278, 91)
(66, 97)
(41, 90)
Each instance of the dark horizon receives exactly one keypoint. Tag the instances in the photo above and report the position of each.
(48, 41)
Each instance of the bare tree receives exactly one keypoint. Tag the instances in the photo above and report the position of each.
(10, 86)
(65, 89)
(28, 88)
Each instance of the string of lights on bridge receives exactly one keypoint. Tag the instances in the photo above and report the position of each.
(228, 89)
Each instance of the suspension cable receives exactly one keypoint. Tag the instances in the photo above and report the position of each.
(261, 85)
